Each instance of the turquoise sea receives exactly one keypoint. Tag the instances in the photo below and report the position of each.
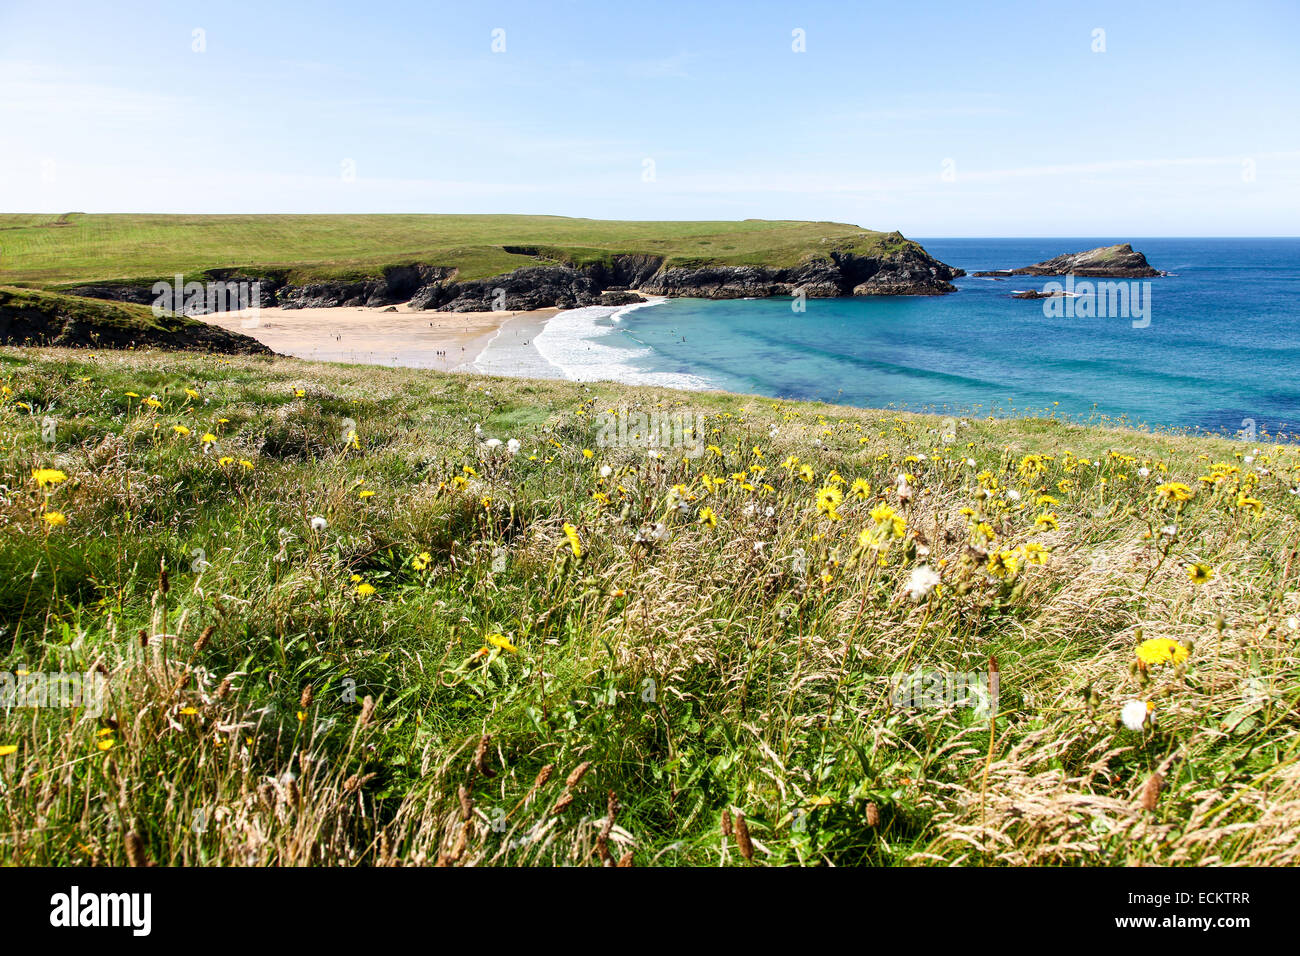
(1221, 349)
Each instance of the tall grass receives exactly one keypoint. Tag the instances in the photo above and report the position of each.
(716, 690)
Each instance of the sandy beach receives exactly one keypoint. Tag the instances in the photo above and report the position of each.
(375, 336)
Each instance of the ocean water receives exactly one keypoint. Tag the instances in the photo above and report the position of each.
(1220, 352)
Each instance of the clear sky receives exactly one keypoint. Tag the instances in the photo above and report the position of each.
(938, 119)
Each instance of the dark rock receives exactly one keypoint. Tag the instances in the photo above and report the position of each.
(1104, 262)
(1035, 294)
(620, 297)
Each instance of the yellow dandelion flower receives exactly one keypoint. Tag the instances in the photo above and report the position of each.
(48, 476)
(225, 460)
(8, 749)
(708, 518)
(1174, 491)
(571, 533)
(245, 464)
(828, 499)
(208, 438)
(860, 489)
(421, 560)
(105, 744)
(55, 519)
(180, 430)
(191, 393)
(1003, 564)
(806, 473)
(365, 590)
(1199, 573)
(367, 493)
(1161, 650)
(500, 641)
(189, 711)
(1046, 520)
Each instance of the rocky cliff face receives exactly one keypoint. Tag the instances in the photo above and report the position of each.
(910, 271)
(1105, 262)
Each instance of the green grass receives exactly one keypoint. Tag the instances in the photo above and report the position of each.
(737, 668)
(52, 251)
(92, 312)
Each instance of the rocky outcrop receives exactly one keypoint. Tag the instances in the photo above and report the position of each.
(910, 271)
(1035, 294)
(617, 280)
(1105, 262)
(46, 319)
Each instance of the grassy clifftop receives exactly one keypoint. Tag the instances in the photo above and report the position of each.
(51, 251)
(34, 317)
(342, 625)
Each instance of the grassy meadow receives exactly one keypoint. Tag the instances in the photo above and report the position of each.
(340, 624)
(63, 250)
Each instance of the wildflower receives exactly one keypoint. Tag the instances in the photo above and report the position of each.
(1161, 650)
(921, 583)
(105, 745)
(828, 499)
(180, 430)
(318, 523)
(860, 489)
(225, 460)
(1034, 553)
(302, 716)
(571, 533)
(588, 453)
(55, 519)
(365, 590)
(191, 393)
(493, 443)
(8, 749)
(1003, 564)
(1254, 505)
(421, 560)
(1174, 491)
(806, 473)
(208, 438)
(500, 641)
(188, 711)
(48, 476)
(152, 402)
(887, 519)
(513, 446)
(366, 493)
(1136, 713)
(132, 394)
(1046, 520)
(1199, 573)
(652, 534)
(245, 464)
(708, 518)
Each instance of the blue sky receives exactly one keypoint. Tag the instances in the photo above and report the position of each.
(938, 119)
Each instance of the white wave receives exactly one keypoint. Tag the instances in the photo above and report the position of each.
(572, 343)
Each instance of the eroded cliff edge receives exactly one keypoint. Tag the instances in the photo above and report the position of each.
(905, 269)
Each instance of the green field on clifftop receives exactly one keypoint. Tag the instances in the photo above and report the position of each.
(52, 251)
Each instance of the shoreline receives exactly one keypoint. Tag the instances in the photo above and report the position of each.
(503, 343)
(395, 336)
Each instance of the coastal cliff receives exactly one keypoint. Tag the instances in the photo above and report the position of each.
(905, 268)
(1104, 262)
(28, 317)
